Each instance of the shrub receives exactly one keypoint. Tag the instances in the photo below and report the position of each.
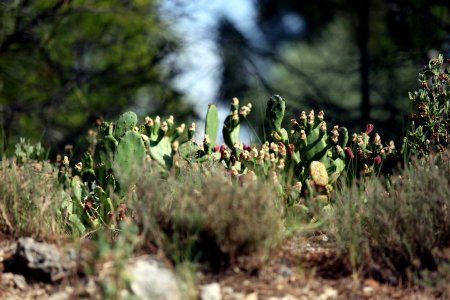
(30, 199)
(207, 217)
(390, 234)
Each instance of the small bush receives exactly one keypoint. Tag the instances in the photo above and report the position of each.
(207, 217)
(390, 234)
(29, 199)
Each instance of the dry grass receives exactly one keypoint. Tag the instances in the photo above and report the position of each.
(207, 217)
(393, 233)
(29, 200)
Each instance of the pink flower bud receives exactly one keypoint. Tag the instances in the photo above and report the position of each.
(233, 160)
(216, 148)
(369, 128)
(222, 148)
(377, 160)
(349, 152)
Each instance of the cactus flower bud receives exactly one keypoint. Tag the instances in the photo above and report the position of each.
(366, 169)
(192, 128)
(157, 119)
(170, 120)
(234, 172)
(65, 160)
(349, 152)
(235, 101)
(302, 134)
(206, 139)
(216, 148)
(273, 147)
(323, 126)
(175, 145)
(79, 166)
(148, 121)
(254, 152)
(280, 164)
(360, 140)
(302, 115)
(298, 186)
(377, 160)
(222, 148)
(377, 139)
(122, 209)
(320, 115)
(233, 160)
(369, 128)
(354, 137)
(310, 118)
(88, 204)
(164, 126)
(291, 148)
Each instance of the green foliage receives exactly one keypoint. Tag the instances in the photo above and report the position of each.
(66, 63)
(429, 129)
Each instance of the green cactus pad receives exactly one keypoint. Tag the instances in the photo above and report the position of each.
(318, 173)
(126, 122)
(188, 150)
(129, 158)
(230, 133)
(212, 123)
(162, 152)
(275, 112)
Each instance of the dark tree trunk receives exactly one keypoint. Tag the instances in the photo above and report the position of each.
(363, 10)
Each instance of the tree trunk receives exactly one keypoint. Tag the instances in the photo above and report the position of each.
(363, 10)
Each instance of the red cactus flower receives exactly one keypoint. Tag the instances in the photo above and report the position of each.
(369, 128)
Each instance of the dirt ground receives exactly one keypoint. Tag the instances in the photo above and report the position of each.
(299, 268)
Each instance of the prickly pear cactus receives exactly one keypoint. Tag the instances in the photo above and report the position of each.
(126, 122)
(275, 109)
(161, 152)
(129, 158)
(190, 151)
(231, 125)
(212, 123)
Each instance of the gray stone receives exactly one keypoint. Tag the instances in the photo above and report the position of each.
(42, 260)
(151, 280)
(210, 292)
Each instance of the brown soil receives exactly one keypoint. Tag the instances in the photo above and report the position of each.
(299, 268)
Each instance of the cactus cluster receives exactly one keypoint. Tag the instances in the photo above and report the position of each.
(306, 159)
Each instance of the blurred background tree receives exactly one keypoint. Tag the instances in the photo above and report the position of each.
(354, 59)
(65, 63)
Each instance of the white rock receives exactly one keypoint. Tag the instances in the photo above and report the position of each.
(151, 280)
(210, 292)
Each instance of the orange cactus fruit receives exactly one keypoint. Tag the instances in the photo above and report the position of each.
(319, 173)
